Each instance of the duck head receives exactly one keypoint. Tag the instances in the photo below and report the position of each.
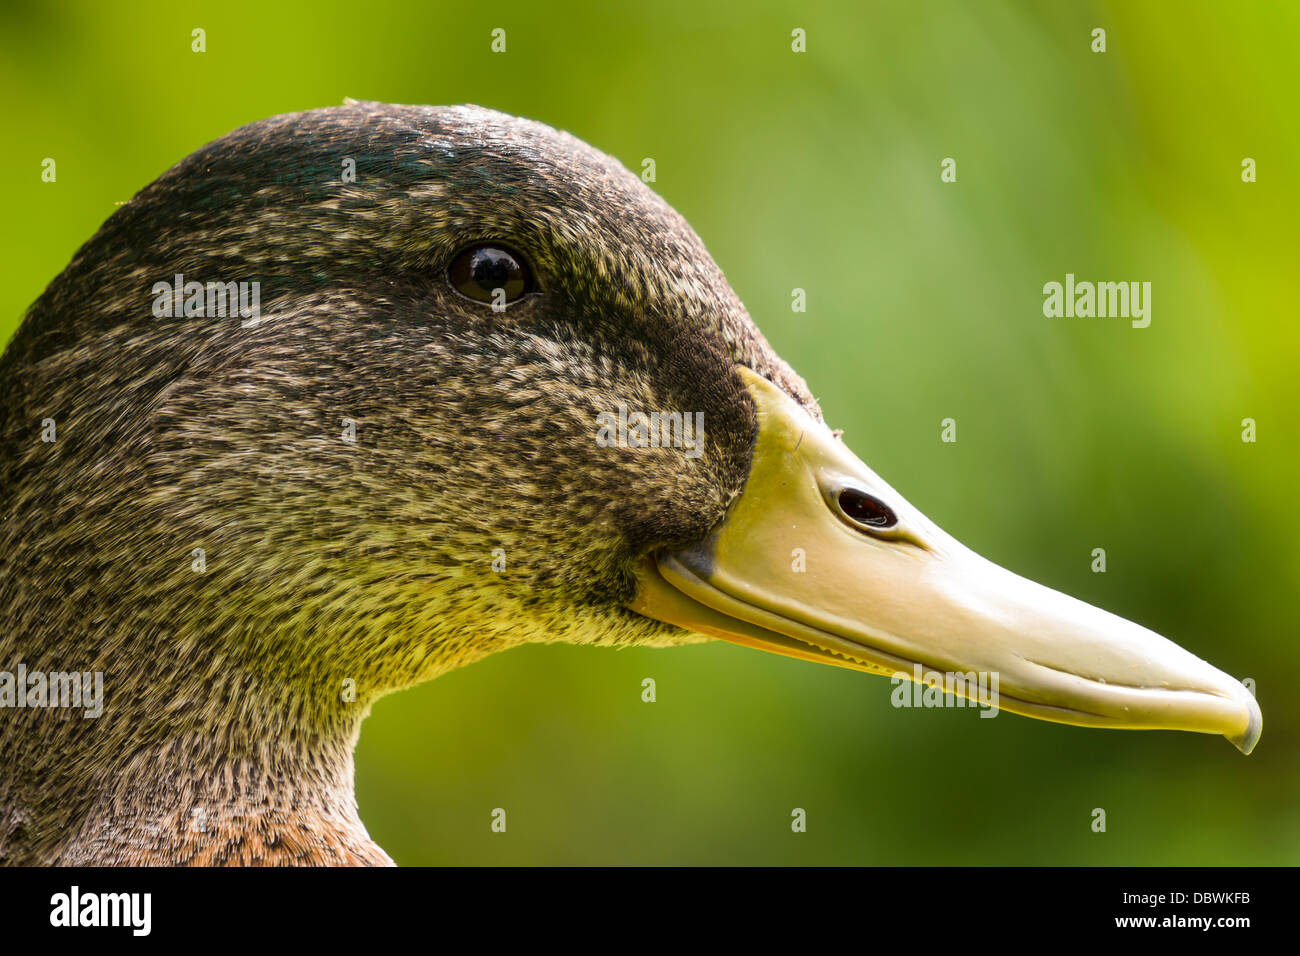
(492, 390)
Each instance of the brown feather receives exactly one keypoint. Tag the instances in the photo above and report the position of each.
(329, 561)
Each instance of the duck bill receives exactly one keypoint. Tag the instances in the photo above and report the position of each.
(794, 571)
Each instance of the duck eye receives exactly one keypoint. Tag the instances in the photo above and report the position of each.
(490, 274)
(862, 509)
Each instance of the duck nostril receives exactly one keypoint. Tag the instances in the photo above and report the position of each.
(864, 509)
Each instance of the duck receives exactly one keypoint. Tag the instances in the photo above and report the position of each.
(255, 515)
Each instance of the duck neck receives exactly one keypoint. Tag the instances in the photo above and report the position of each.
(226, 759)
(258, 791)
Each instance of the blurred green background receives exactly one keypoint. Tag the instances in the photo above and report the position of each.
(821, 171)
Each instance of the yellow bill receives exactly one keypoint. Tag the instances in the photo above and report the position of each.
(822, 560)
